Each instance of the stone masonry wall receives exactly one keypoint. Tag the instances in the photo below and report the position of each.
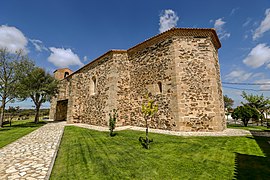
(200, 104)
(181, 72)
(111, 92)
(149, 67)
(122, 88)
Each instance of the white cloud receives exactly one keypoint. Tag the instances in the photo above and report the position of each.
(264, 26)
(258, 56)
(38, 44)
(238, 75)
(167, 20)
(85, 58)
(219, 26)
(264, 87)
(233, 11)
(247, 22)
(12, 39)
(61, 57)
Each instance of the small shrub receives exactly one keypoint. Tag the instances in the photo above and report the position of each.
(113, 116)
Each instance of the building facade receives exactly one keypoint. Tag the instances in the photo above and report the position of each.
(178, 68)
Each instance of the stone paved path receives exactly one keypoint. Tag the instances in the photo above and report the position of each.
(32, 156)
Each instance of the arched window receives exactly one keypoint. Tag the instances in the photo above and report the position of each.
(93, 85)
(160, 87)
(66, 74)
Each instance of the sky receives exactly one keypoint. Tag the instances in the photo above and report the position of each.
(72, 33)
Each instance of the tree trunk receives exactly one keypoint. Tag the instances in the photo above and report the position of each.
(245, 121)
(262, 118)
(147, 140)
(37, 114)
(2, 112)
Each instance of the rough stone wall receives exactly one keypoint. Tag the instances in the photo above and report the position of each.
(111, 91)
(180, 72)
(200, 104)
(122, 90)
(150, 66)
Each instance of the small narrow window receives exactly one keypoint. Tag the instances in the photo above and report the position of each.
(160, 87)
(93, 85)
(66, 74)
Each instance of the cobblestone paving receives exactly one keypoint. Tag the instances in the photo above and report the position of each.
(226, 132)
(32, 156)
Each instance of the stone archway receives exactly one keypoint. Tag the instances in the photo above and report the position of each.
(61, 110)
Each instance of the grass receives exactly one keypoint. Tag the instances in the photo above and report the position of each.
(18, 129)
(249, 128)
(89, 154)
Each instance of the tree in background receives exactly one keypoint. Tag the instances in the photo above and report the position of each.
(258, 102)
(149, 110)
(13, 67)
(245, 113)
(228, 103)
(12, 112)
(39, 86)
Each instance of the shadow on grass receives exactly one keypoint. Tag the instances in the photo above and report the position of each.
(28, 124)
(5, 129)
(144, 143)
(251, 166)
(22, 125)
(113, 134)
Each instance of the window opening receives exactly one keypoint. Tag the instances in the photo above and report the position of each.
(160, 87)
(66, 74)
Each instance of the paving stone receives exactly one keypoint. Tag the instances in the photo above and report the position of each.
(31, 156)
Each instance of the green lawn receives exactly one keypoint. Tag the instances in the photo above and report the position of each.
(249, 127)
(89, 154)
(17, 130)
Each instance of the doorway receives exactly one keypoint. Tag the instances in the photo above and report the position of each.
(61, 110)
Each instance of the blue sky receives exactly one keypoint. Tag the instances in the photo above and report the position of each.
(74, 32)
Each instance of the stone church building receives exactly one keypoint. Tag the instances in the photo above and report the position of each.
(178, 68)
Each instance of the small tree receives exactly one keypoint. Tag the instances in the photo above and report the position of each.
(258, 102)
(113, 116)
(245, 113)
(39, 86)
(149, 110)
